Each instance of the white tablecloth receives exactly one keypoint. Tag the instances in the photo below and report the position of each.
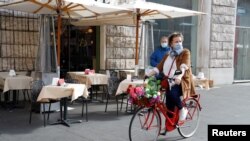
(18, 82)
(57, 92)
(90, 79)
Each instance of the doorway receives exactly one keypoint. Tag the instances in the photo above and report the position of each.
(242, 54)
(78, 49)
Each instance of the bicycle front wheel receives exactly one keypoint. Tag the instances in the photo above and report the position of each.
(190, 125)
(145, 125)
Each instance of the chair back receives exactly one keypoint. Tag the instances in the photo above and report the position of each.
(113, 73)
(36, 87)
(122, 75)
(113, 83)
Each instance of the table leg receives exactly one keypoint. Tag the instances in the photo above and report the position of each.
(10, 105)
(63, 118)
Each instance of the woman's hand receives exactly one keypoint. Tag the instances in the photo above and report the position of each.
(145, 77)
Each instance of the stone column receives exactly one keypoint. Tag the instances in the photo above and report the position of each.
(203, 38)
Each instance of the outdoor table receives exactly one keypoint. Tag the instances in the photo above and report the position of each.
(91, 80)
(18, 82)
(13, 83)
(62, 92)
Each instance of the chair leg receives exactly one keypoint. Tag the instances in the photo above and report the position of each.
(30, 113)
(44, 119)
(49, 112)
(121, 103)
(96, 89)
(24, 96)
(86, 111)
(107, 97)
(117, 106)
(127, 106)
(82, 106)
(107, 101)
(27, 92)
(103, 92)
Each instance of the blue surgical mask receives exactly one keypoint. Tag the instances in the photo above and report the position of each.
(178, 48)
(164, 45)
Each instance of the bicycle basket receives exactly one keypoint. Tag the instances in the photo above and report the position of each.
(146, 95)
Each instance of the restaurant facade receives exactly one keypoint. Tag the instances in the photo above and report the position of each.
(218, 40)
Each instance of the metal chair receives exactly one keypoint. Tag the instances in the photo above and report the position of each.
(83, 100)
(36, 87)
(113, 83)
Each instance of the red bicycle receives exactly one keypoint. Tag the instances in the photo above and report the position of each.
(146, 123)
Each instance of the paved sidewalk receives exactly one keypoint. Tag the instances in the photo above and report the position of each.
(227, 104)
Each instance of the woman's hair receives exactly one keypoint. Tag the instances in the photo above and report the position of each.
(173, 35)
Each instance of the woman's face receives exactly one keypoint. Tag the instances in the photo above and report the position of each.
(175, 41)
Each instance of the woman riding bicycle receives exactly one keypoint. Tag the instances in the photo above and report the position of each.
(178, 58)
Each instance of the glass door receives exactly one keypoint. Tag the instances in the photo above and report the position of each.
(242, 54)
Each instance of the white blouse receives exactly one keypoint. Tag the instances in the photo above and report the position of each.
(167, 66)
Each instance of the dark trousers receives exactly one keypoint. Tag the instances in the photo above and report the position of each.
(173, 97)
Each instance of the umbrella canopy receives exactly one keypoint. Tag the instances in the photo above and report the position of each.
(141, 11)
(63, 8)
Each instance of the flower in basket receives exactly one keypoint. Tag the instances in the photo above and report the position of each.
(131, 92)
(152, 90)
(135, 93)
(147, 94)
(139, 90)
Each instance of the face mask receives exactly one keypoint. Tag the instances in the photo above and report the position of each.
(164, 45)
(178, 48)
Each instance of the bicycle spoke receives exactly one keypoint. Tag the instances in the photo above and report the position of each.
(190, 125)
(144, 125)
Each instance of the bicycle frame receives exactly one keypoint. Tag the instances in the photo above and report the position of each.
(173, 121)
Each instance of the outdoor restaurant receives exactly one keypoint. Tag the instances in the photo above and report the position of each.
(71, 61)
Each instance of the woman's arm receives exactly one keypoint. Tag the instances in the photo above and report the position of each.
(184, 65)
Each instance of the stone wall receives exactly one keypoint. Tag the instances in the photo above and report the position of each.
(120, 47)
(19, 40)
(222, 33)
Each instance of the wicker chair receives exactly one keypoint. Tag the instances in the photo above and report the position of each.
(82, 99)
(113, 83)
(36, 87)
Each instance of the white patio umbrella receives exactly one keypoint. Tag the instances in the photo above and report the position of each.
(62, 8)
(141, 11)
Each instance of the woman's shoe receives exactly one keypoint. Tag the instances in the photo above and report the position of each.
(183, 114)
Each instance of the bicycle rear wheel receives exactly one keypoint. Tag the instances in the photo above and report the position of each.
(145, 125)
(190, 125)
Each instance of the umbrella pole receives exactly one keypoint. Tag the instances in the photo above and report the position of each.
(59, 24)
(137, 36)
